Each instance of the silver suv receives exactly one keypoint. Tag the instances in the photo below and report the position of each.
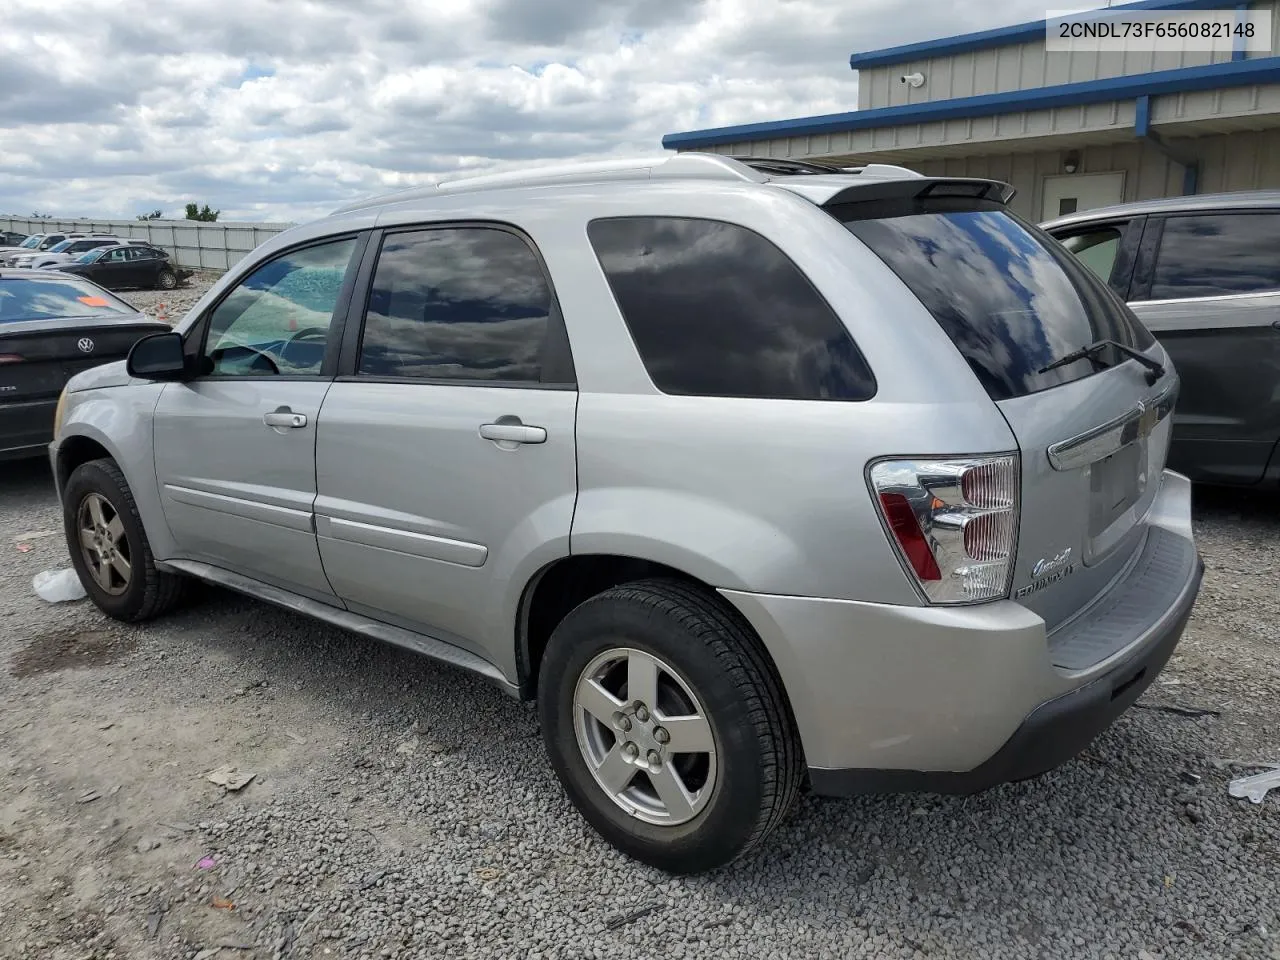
(755, 474)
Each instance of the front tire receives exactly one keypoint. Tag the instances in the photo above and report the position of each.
(109, 548)
(667, 726)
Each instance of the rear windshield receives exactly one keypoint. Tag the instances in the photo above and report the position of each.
(1009, 297)
(49, 299)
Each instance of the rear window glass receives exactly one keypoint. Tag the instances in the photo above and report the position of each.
(1011, 299)
(716, 310)
(24, 299)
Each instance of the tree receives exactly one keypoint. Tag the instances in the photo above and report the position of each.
(41, 216)
(207, 215)
(153, 215)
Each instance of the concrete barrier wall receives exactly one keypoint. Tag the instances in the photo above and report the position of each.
(189, 243)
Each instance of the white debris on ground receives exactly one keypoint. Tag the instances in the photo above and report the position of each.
(58, 586)
(402, 809)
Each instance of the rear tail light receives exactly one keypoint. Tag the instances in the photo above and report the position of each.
(953, 522)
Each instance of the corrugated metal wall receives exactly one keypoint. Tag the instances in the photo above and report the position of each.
(1238, 161)
(1023, 66)
(190, 243)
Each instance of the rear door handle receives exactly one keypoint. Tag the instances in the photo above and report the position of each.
(513, 433)
(285, 418)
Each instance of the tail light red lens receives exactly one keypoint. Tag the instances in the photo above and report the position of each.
(903, 523)
(953, 521)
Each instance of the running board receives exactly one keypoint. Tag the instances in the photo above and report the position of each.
(418, 643)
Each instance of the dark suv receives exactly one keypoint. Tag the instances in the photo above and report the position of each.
(1203, 274)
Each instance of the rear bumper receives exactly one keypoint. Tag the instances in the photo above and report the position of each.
(26, 427)
(956, 700)
(1053, 733)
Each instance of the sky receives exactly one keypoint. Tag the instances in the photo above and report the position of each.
(284, 109)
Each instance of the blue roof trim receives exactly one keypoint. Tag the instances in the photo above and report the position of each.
(1229, 74)
(1001, 36)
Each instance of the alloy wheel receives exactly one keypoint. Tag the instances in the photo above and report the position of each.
(645, 736)
(104, 544)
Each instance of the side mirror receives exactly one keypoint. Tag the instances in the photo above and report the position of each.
(158, 357)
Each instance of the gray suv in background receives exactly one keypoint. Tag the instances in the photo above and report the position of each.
(1203, 274)
(755, 474)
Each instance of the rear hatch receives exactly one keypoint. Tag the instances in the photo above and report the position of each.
(51, 328)
(1092, 435)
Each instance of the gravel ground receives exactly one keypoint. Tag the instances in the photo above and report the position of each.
(401, 809)
(172, 303)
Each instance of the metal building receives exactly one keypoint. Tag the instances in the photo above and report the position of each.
(1070, 130)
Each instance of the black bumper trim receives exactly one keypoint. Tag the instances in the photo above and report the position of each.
(1053, 733)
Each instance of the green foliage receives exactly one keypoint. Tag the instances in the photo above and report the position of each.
(207, 214)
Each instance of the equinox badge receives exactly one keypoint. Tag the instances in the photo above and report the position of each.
(1046, 572)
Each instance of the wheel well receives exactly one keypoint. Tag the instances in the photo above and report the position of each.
(560, 587)
(74, 451)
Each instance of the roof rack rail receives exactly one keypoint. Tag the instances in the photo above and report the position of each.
(788, 165)
(681, 166)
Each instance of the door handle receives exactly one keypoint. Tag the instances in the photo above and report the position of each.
(513, 432)
(285, 418)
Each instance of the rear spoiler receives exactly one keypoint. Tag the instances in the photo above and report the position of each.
(924, 189)
(885, 199)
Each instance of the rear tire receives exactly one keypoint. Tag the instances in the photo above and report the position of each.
(683, 811)
(109, 548)
(166, 280)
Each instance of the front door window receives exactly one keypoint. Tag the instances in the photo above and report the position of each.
(276, 321)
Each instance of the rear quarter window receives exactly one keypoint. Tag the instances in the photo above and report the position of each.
(1010, 298)
(716, 310)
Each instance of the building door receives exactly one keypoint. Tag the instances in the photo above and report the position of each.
(1069, 194)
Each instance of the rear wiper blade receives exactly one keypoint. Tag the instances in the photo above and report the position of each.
(1154, 367)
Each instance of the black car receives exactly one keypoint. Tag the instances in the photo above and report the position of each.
(52, 326)
(1201, 273)
(10, 239)
(127, 265)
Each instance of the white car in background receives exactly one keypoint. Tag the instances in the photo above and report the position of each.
(65, 252)
(33, 244)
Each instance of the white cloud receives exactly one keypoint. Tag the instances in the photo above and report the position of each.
(282, 109)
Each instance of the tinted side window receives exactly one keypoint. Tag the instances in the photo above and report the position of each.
(1215, 254)
(717, 310)
(460, 303)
